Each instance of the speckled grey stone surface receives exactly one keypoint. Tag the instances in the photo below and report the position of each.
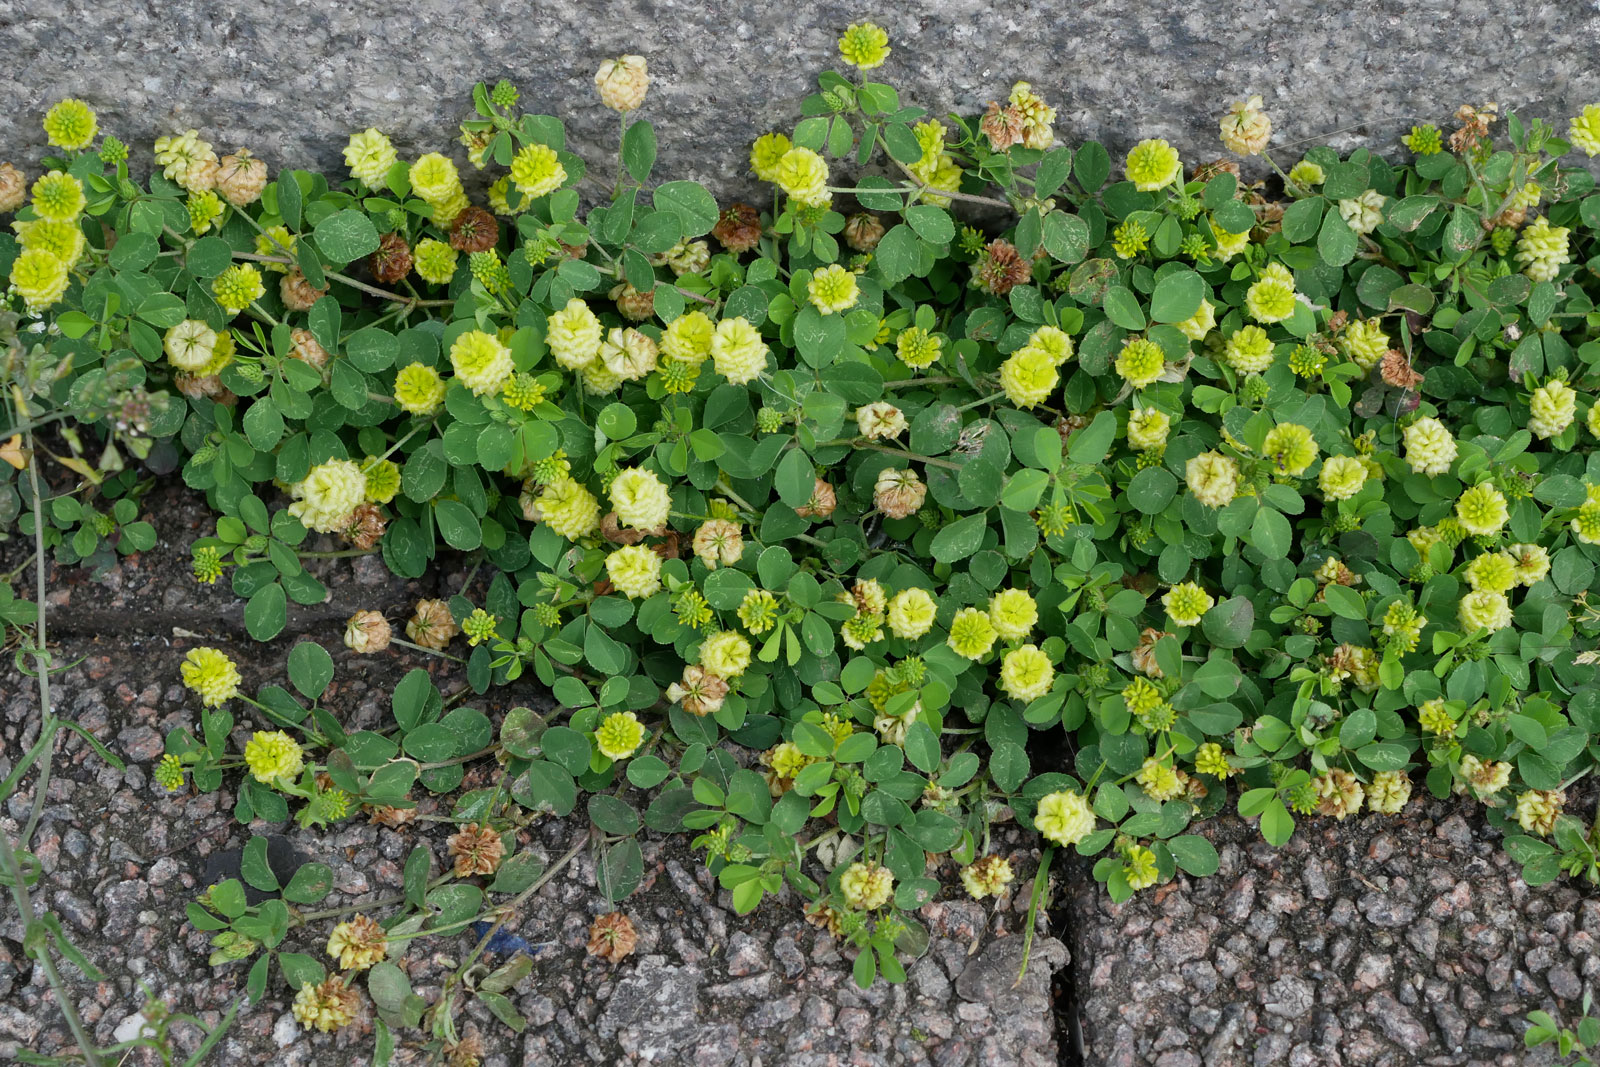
(291, 79)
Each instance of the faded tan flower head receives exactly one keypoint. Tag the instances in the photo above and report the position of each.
(622, 82)
(899, 493)
(307, 349)
(366, 631)
(297, 293)
(823, 501)
(1246, 128)
(477, 849)
(700, 692)
(612, 937)
(13, 188)
(718, 541)
(241, 177)
(366, 528)
(432, 626)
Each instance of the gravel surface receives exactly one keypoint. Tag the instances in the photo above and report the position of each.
(704, 986)
(292, 80)
(1378, 941)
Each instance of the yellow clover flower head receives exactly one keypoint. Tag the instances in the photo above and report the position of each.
(1584, 130)
(1551, 409)
(635, 571)
(803, 175)
(1159, 780)
(481, 362)
(1306, 174)
(40, 278)
(1187, 603)
(866, 886)
(1430, 448)
(272, 755)
(619, 736)
(988, 877)
(1196, 326)
(238, 287)
(1139, 867)
(567, 508)
(1491, 611)
(911, 613)
(536, 171)
(574, 335)
(434, 178)
(1141, 362)
(418, 389)
(766, 153)
(917, 348)
(1153, 164)
(211, 674)
(64, 240)
(358, 943)
(1245, 129)
(758, 611)
(1028, 376)
(972, 633)
(369, 155)
(1494, 571)
(687, 338)
(726, 654)
(1213, 478)
(58, 197)
(1148, 428)
(833, 289)
(639, 499)
(1013, 613)
(327, 1006)
(1363, 213)
(1482, 509)
(864, 45)
(1290, 448)
(1249, 350)
(1064, 817)
(434, 261)
(326, 499)
(1342, 477)
(71, 124)
(1532, 563)
(737, 351)
(1271, 298)
(1026, 673)
(1365, 343)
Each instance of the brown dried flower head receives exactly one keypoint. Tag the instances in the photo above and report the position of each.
(241, 177)
(468, 1052)
(1144, 656)
(1003, 126)
(307, 349)
(1000, 269)
(618, 534)
(862, 231)
(475, 230)
(297, 293)
(1475, 123)
(1396, 370)
(1204, 172)
(477, 849)
(700, 692)
(632, 303)
(366, 527)
(739, 228)
(366, 631)
(13, 188)
(823, 501)
(209, 387)
(393, 818)
(392, 260)
(612, 937)
(432, 626)
(823, 917)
